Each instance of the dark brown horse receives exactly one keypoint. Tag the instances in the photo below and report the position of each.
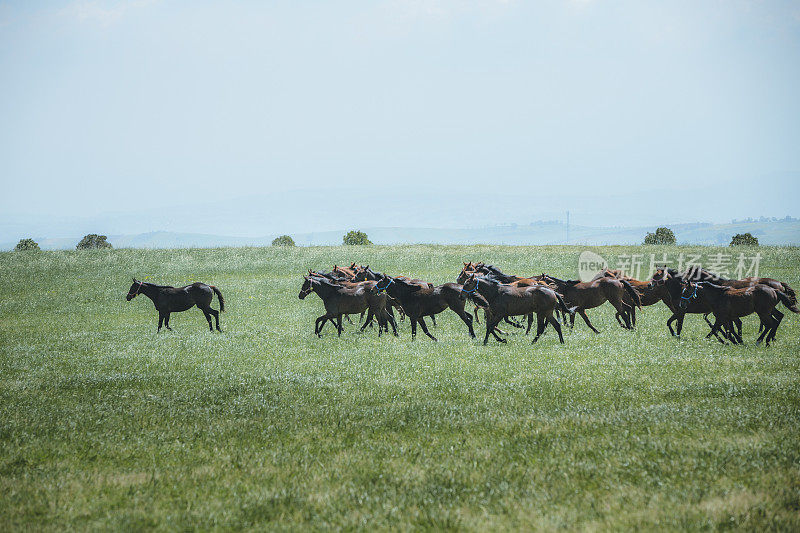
(340, 300)
(175, 299)
(728, 303)
(370, 285)
(649, 293)
(366, 273)
(507, 300)
(696, 273)
(681, 304)
(419, 301)
(588, 295)
(518, 282)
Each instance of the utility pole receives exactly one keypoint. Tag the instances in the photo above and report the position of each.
(567, 227)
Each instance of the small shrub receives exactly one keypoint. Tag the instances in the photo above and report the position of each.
(744, 239)
(283, 240)
(661, 236)
(27, 245)
(355, 238)
(93, 242)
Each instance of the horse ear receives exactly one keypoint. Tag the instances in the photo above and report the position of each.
(134, 279)
(366, 267)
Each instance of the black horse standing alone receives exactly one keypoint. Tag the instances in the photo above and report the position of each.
(174, 299)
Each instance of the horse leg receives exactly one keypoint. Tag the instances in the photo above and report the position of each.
(392, 322)
(367, 321)
(736, 336)
(496, 334)
(348, 318)
(715, 329)
(679, 327)
(670, 320)
(207, 313)
(766, 328)
(530, 323)
(557, 327)
(433, 320)
(413, 327)
(339, 324)
(166, 321)
(425, 328)
(490, 325)
(318, 327)
(777, 317)
(624, 310)
(513, 322)
(540, 325)
(467, 318)
(585, 318)
(160, 321)
(475, 312)
(215, 314)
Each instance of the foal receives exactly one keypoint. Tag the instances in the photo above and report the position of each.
(369, 285)
(729, 303)
(175, 299)
(507, 300)
(339, 300)
(681, 304)
(650, 293)
(588, 295)
(419, 302)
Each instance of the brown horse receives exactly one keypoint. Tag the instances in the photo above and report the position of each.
(681, 305)
(696, 273)
(370, 285)
(728, 303)
(366, 273)
(518, 282)
(347, 272)
(175, 299)
(340, 300)
(649, 293)
(507, 300)
(588, 295)
(419, 301)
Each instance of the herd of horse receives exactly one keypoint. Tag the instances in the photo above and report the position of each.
(359, 290)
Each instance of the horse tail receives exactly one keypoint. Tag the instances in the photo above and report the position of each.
(632, 293)
(787, 301)
(563, 305)
(219, 295)
(789, 292)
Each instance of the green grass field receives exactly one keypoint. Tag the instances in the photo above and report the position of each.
(106, 424)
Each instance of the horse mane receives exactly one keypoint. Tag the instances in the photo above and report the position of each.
(157, 286)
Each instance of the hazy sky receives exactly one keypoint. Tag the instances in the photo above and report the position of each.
(109, 106)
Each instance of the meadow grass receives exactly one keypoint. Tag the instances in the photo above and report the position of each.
(105, 424)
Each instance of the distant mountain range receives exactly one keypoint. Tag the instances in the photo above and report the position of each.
(770, 232)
